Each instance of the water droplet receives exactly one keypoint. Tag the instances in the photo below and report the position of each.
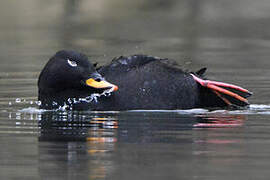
(69, 101)
(124, 62)
(18, 116)
(38, 103)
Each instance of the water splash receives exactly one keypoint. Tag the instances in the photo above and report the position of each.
(251, 109)
(32, 110)
(31, 106)
(188, 111)
(259, 107)
(72, 101)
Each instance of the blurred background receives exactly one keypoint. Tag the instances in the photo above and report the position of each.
(230, 37)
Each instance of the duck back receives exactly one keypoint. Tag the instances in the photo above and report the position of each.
(147, 82)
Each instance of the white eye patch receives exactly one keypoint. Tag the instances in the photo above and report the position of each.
(72, 63)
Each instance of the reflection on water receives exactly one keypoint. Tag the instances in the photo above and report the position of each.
(132, 127)
(95, 143)
(220, 120)
(116, 145)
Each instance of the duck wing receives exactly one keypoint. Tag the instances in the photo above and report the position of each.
(124, 64)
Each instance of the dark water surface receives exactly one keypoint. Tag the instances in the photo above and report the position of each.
(231, 38)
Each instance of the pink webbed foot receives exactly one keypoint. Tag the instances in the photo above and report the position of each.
(229, 93)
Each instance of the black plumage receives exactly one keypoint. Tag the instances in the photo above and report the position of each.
(147, 82)
(144, 82)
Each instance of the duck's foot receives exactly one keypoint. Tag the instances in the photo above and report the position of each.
(229, 93)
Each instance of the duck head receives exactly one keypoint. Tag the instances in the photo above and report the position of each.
(69, 75)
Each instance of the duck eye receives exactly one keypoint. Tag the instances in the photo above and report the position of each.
(98, 79)
(72, 63)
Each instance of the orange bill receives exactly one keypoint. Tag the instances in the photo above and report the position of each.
(100, 84)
